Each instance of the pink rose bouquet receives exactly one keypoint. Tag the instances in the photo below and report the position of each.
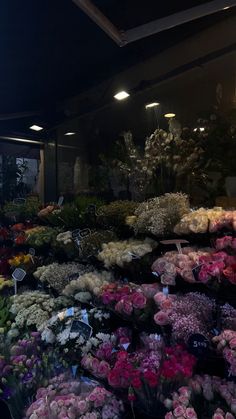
(64, 398)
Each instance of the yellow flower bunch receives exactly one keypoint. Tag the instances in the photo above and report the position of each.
(20, 259)
(5, 282)
(34, 230)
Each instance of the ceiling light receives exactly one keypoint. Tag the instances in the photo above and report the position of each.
(152, 105)
(36, 128)
(199, 129)
(226, 7)
(70, 133)
(169, 115)
(121, 95)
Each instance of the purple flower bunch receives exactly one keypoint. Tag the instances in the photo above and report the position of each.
(26, 365)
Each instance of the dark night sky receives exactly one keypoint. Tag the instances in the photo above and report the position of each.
(50, 50)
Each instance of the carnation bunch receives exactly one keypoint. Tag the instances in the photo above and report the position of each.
(68, 398)
(121, 252)
(159, 215)
(58, 275)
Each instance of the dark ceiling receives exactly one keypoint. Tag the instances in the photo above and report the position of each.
(51, 50)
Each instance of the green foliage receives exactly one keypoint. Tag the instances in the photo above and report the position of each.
(25, 211)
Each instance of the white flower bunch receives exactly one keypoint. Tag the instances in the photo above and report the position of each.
(120, 252)
(91, 282)
(65, 238)
(33, 308)
(57, 329)
(159, 215)
(58, 275)
(95, 341)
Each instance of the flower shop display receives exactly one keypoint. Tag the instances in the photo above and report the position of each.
(159, 215)
(105, 296)
(121, 252)
(57, 276)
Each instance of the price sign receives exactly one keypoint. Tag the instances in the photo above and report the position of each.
(84, 329)
(78, 234)
(60, 201)
(198, 345)
(32, 251)
(18, 275)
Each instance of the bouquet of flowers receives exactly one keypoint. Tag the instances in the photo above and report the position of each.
(204, 396)
(31, 309)
(159, 215)
(59, 329)
(204, 220)
(127, 300)
(188, 314)
(26, 365)
(183, 264)
(66, 397)
(226, 343)
(121, 252)
(88, 286)
(57, 276)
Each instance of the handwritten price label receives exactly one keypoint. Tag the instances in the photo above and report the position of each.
(198, 345)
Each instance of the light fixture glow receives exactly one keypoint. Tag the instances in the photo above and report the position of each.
(169, 115)
(70, 133)
(152, 105)
(226, 7)
(36, 128)
(121, 95)
(199, 129)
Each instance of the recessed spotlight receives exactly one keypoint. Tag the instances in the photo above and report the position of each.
(36, 128)
(199, 129)
(121, 95)
(70, 133)
(169, 115)
(152, 105)
(226, 7)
